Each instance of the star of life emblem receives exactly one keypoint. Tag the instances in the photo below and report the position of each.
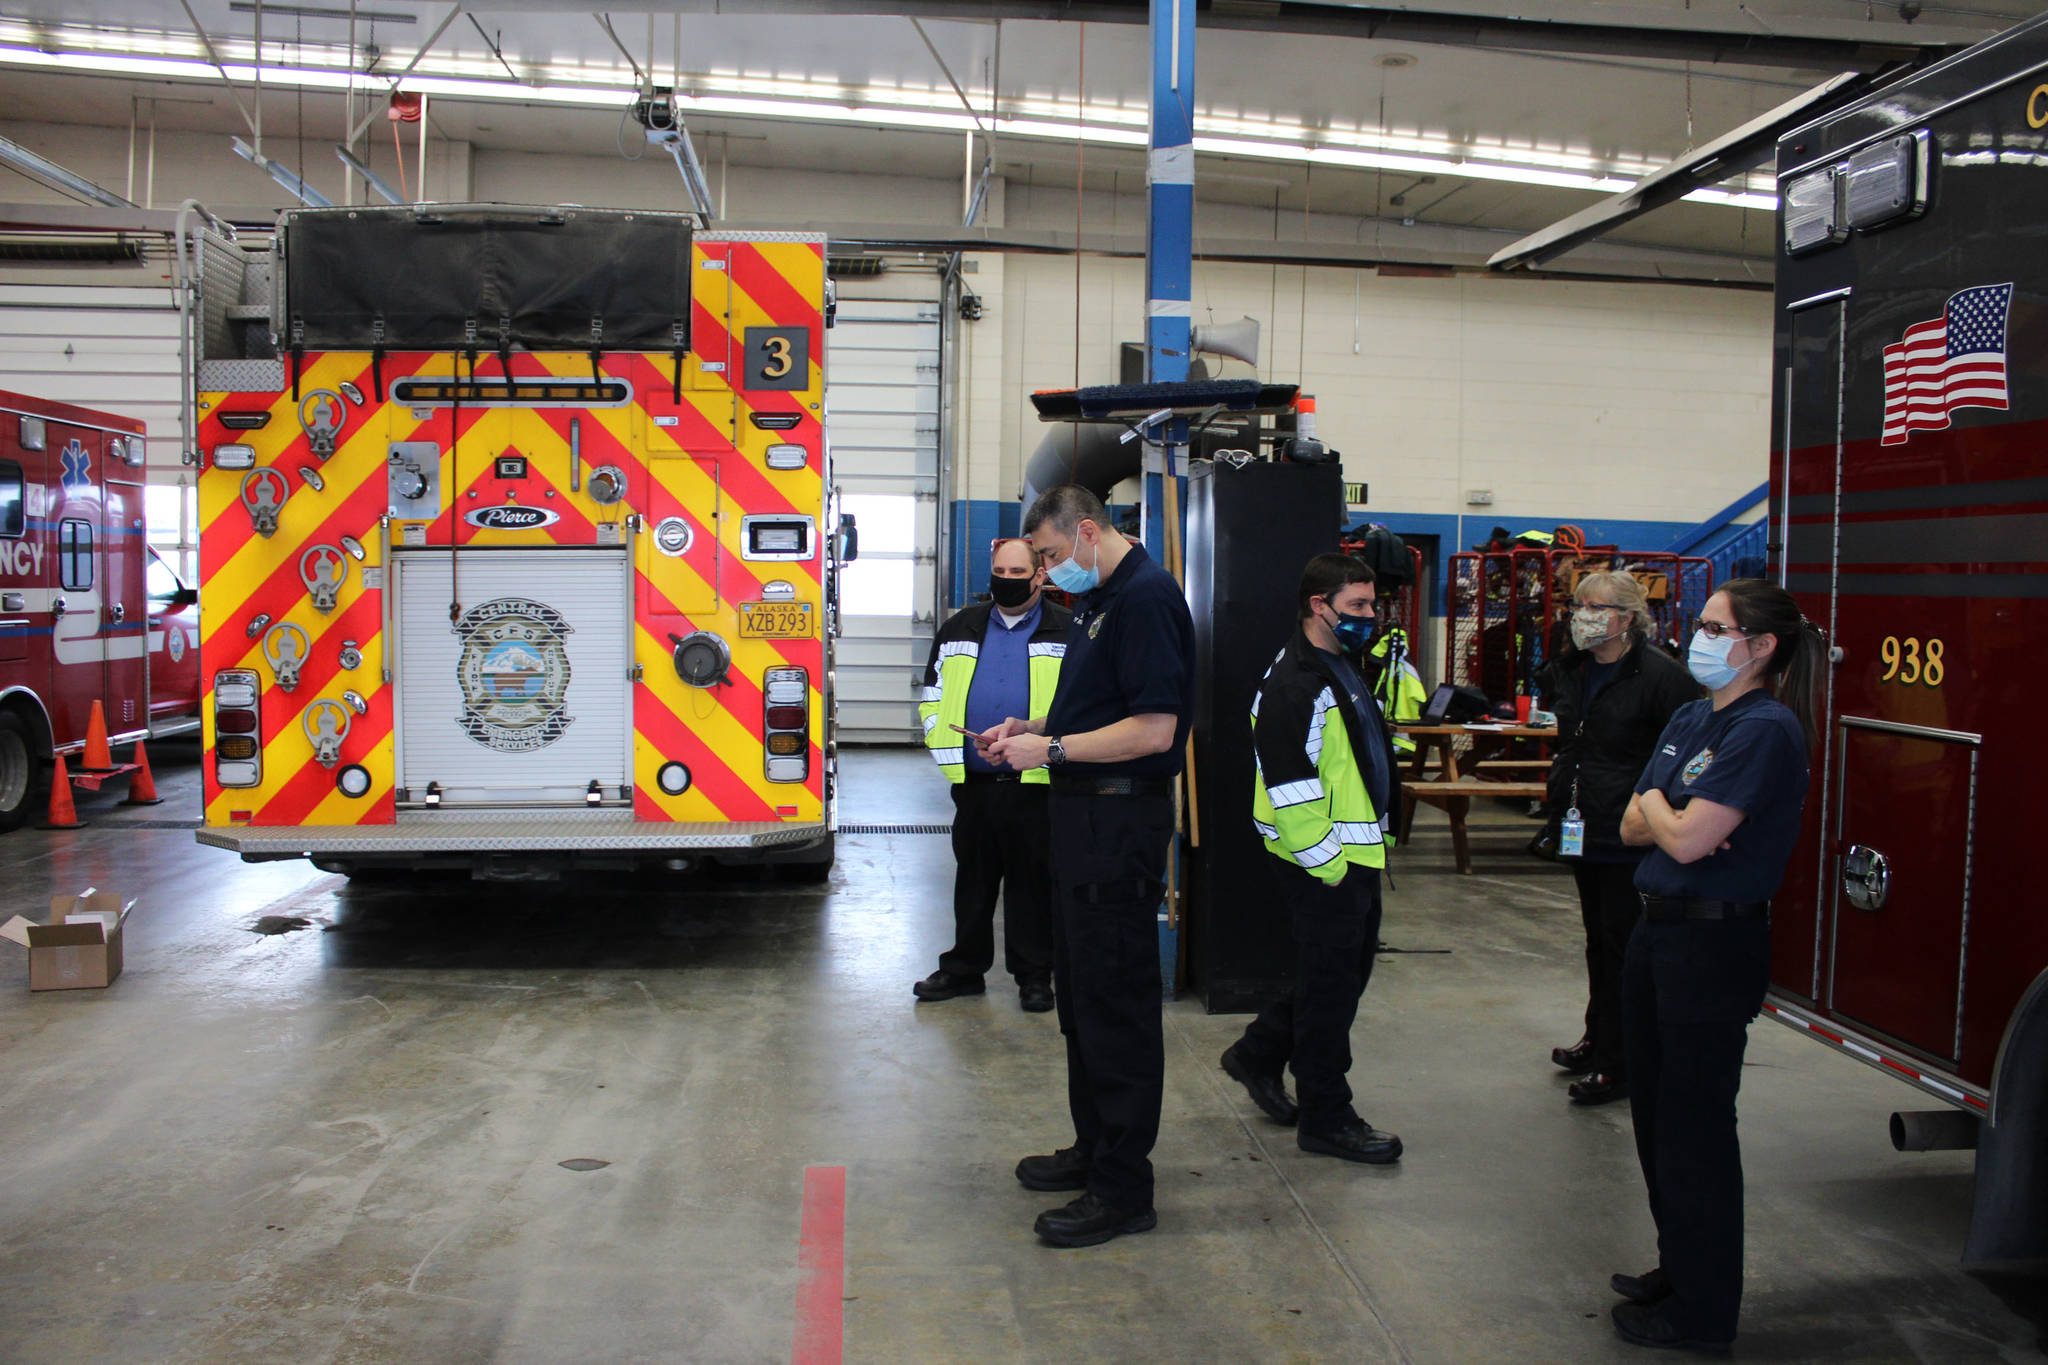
(514, 674)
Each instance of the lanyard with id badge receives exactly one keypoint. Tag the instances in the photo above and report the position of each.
(1571, 833)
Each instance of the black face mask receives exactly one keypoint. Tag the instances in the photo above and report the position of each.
(1010, 593)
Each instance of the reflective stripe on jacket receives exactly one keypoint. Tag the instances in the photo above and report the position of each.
(949, 675)
(1309, 797)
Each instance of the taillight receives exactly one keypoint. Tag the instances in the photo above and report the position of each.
(237, 721)
(786, 720)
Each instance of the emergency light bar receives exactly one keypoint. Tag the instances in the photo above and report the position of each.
(514, 393)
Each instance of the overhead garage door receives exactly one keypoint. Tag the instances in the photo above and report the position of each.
(524, 698)
(882, 415)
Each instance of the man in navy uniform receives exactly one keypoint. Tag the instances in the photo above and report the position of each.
(1113, 739)
(991, 661)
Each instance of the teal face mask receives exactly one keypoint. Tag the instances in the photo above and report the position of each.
(1068, 575)
(1707, 661)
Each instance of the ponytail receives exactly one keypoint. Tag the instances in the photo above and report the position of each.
(1798, 661)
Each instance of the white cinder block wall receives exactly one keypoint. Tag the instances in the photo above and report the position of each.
(1570, 401)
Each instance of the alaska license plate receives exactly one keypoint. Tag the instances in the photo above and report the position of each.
(774, 620)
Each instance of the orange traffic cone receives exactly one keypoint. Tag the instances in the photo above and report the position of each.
(63, 815)
(141, 786)
(97, 757)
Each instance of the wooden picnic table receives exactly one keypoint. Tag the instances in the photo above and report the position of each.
(1455, 779)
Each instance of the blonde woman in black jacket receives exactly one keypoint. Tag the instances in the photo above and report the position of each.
(1613, 691)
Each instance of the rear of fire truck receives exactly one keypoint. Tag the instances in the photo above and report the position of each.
(514, 543)
(1909, 510)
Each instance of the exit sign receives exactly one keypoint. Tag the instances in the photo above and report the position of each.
(1354, 494)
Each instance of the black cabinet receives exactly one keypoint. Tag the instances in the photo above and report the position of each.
(1250, 531)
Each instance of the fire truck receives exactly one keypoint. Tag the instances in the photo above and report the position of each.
(515, 546)
(1909, 511)
(87, 612)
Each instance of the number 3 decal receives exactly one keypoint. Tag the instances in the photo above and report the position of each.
(778, 358)
(1910, 661)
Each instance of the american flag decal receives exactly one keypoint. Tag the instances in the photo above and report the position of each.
(1955, 361)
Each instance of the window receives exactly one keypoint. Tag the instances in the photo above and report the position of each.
(877, 587)
(163, 585)
(13, 513)
(169, 510)
(74, 554)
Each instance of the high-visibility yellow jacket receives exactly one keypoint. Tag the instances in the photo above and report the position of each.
(1309, 796)
(949, 675)
(1398, 688)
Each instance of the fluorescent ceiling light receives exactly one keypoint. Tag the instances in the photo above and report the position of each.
(568, 85)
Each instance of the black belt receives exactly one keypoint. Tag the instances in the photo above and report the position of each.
(1663, 908)
(1111, 786)
(972, 776)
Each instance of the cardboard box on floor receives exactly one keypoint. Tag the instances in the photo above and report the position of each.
(81, 945)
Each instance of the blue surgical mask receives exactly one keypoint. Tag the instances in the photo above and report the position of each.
(1354, 633)
(1707, 660)
(1068, 575)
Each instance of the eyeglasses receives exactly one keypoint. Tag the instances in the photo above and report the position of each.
(1714, 630)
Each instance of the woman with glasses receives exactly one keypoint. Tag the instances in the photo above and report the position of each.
(1718, 810)
(1614, 693)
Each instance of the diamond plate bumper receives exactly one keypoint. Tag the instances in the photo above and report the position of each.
(525, 832)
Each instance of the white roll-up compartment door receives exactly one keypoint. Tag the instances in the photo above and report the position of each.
(523, 699)
(883, 412)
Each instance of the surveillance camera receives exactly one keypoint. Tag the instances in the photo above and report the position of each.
(1909, 10)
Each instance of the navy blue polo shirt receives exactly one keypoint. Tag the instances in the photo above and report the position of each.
(1750, 755)
(1130, 652)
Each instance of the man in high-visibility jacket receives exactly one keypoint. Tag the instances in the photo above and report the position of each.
(1324, 796)
(990, 661)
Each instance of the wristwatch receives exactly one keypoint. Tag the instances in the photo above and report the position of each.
(1055, 752)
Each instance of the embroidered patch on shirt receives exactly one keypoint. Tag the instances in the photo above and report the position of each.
(1699, 764)
(1095, 627)
(1671, 749)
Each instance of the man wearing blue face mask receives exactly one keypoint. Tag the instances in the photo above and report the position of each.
(1327, 784)
(1113, 739)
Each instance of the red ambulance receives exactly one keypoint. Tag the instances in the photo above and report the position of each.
(87, 612)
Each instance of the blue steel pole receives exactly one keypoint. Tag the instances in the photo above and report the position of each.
(1169, 236)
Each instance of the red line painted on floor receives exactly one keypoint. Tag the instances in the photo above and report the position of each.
(821, 1266)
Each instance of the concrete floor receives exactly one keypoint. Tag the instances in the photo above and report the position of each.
(341, 1144)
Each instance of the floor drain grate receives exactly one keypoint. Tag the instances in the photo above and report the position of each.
(895, 829)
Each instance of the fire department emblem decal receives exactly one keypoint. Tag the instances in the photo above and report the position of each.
(514, 674)
(1698, 766)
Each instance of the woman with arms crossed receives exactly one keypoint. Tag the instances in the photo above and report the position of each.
(1718, 807)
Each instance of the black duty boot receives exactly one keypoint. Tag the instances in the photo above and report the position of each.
(1066, 1169)
(944, 985)
(1652, 1286)
(1089, 1222)
(1355, 1141)
(1267, 1089)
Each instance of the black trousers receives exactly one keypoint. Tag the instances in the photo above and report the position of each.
(1689, 990)
(1001, 838)
(1336, 935)
(1610, 907)
(1109, 872)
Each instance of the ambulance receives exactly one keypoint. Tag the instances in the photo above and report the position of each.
(1909, 516)
(88, 613)
(517, 550)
